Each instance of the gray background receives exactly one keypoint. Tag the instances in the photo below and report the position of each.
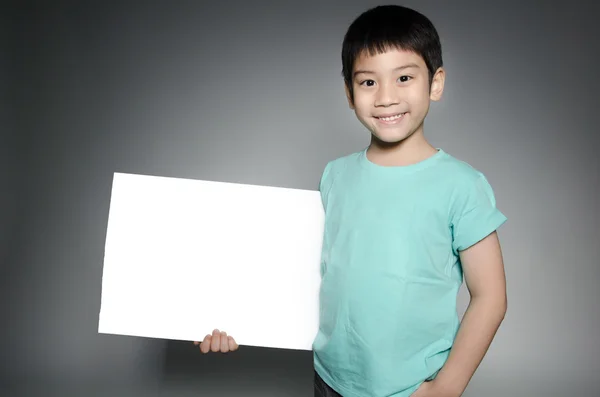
(251, 92)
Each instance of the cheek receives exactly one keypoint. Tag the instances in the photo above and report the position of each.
(362, 106)
(419, 100)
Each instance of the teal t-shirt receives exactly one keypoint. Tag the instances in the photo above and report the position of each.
(391, 271)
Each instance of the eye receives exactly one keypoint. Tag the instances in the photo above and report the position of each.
(404, 79)
(368, 83)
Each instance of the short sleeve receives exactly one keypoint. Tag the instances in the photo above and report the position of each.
(475, 215)
(325, 184)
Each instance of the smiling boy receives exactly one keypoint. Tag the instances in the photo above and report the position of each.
(404, 223)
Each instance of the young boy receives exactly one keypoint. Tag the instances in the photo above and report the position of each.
(404, 222)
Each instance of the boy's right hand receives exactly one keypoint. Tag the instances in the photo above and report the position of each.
(219, 341)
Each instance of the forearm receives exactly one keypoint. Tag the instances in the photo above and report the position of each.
(477, 330)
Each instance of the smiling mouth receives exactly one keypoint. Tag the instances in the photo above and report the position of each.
(389, 118)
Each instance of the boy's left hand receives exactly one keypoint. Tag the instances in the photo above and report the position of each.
(431, 389)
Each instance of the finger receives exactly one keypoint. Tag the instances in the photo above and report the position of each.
(233, 346)
(224, 342)
(205, 345)
(216, 341)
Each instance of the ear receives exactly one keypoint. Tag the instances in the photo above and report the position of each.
(349, 97)
(437, 85)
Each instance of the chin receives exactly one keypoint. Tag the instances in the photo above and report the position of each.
(390, 139)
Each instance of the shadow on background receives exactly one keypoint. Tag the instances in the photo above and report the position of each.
(260, 370)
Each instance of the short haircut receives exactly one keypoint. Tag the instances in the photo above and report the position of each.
(386, 27)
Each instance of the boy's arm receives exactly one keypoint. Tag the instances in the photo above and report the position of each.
(483, 269)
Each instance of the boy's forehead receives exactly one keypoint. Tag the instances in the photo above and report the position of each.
(390, 57)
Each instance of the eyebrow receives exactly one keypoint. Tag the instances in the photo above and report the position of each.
(410, 65)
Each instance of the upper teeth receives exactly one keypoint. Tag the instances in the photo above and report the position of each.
(392, 117)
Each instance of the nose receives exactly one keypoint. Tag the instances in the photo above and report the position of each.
(387, 95)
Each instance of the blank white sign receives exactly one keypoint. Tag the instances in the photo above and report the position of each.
(184, 257)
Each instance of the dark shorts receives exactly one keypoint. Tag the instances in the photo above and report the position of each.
(322, 389)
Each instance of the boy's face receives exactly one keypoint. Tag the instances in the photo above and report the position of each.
(392, 93)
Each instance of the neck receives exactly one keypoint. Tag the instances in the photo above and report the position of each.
(409, 151)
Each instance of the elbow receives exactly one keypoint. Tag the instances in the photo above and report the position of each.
(494, 304)
(503, 309)
(501, 306)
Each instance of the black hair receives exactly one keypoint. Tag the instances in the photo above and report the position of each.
(382, 28)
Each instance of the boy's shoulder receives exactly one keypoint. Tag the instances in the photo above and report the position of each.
(467, 184)
(459, 170)
(346, 158)
(342, 162)
(334, 167)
